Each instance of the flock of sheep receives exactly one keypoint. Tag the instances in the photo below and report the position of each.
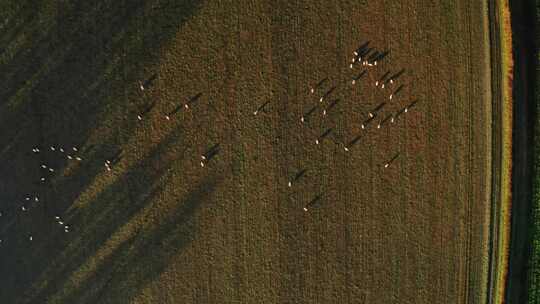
(365, 58)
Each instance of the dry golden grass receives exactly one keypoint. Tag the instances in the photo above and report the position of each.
(506, 166)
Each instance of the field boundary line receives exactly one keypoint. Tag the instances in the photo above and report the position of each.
(501, 194)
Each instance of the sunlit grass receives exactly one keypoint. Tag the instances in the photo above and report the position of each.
(503, 245)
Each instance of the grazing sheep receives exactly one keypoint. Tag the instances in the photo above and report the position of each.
(209, 154)
(376, 109)
(192, 100)
(358, 77)
(384, 120)
(322, 136)
(318, 85)
(396, 91)
(176, 110)
(327, 93)
(330, 106)
(361, 48)
(410, 106)
(382, 78)
(297, 176)
(367, 121)
(395, 77)
(351, 143)
(261, 107)
(387, 164)
(312, 202)
(308, 113)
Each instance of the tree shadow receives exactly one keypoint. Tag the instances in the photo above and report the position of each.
(143, 257)
(83, 67)
(56, 256)
(54, 89)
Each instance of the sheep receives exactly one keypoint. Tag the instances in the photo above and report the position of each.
(146, 110)
(318, 85)
(168, 115)
(358, 77)
(312, 202)
(376, 109)
(192, 100)
(327, 93)
(308, 113)
(351, 143)
(382, 78)
(323, 136)
(367, 121)
(261, 107)
(396, 91)
(361, 48)
(384, 120)
(330, 106)
(209, 154)
(410, 106)
(296, 177)
(387, 164)
(395, 77)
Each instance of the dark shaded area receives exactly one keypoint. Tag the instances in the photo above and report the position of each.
(112, 208)
(144, 256)
(524, 46)
(55, 86)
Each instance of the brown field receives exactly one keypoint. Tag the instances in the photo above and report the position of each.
(161, 229)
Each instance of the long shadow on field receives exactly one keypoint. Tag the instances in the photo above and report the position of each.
(57, 255)
(58, 82)
(59, 78)
(144, 256)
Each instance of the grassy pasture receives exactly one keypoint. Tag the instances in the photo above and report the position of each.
(161, 229)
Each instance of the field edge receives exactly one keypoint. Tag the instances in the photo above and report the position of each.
(502, 148)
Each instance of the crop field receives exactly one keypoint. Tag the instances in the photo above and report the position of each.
(402, 217)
